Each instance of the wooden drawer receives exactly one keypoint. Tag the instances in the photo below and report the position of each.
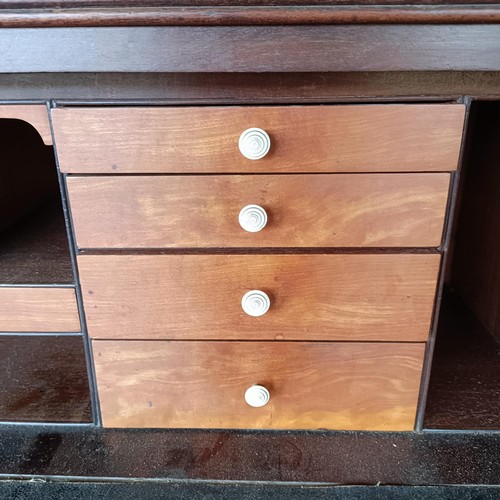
(366, 138)
(313, 297)
(311, 385)
(322, 210)
(38, 309)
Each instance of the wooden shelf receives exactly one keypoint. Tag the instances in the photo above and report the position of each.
(35, 250)
(44, 379)
(464, 391)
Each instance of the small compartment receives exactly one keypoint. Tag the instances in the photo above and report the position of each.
(464, 391)
(34, 247)
(44, 377)
(33, 241)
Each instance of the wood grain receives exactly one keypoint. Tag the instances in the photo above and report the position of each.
(312, 385)
(40, 4)
(366, 138)
(246, 16)
(461, 47)
(44, 379)
(248, 88)
(24, 309)
(36, 115)
(313, 297)
(341, 210)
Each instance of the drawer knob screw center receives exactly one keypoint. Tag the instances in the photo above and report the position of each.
(255, 303)
(254, 143)
(252, 218)
(257, 396)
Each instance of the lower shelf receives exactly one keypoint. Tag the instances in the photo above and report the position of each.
(464, 391)
(44, 379)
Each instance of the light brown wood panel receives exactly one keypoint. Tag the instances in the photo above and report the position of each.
(38, 309)
(362, 138)
(313, 297)
(324, 210)
(312, 385)
(36, 115)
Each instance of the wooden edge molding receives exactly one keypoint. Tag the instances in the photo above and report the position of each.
(247, 88)
(36, 115)
(246, 16)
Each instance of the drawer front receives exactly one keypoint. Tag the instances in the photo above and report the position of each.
(312, 297)
(311, 385)
(366, 138)
(323, 210)
(38, 309)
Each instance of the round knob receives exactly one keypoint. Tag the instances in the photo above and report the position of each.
(255, 303)
(257, 396)
(254, 143)
(252, 218)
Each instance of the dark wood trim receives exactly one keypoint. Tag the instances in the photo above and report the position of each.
(252, 49)
(245, 16)
(246, 88)
(87, 345)
(38, 4)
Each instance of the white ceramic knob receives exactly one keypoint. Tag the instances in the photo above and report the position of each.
(255, 303)
(254, 143)
(257, 396)
(252, 218)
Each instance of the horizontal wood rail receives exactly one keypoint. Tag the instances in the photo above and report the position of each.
(252, 49)
(245, 16)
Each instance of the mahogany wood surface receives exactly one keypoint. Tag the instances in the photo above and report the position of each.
(324, 210)
(44, 379)
(362, 138)
(118, 15)
(39, 309)
(313, 297)
(312, 385)
(128, 89)
(24, 4)
(36, 115)
(207, 49)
